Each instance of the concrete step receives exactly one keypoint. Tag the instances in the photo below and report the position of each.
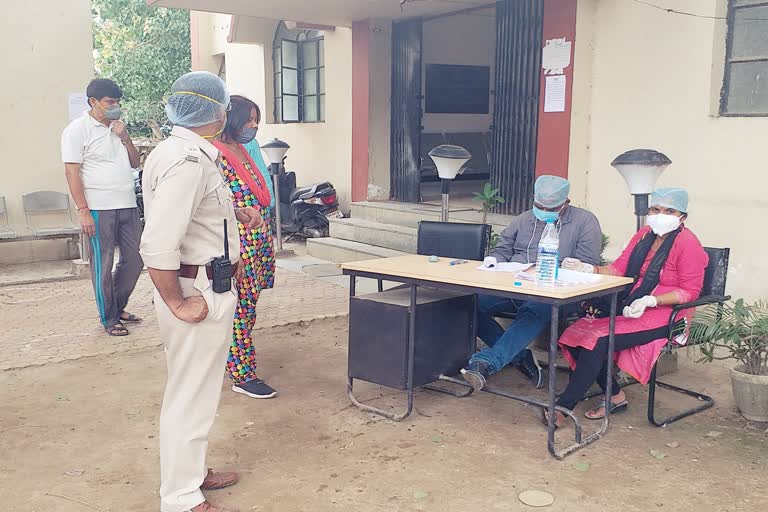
(344, 251)
(389, 236)
(409, 215)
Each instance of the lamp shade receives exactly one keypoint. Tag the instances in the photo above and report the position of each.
(449, 160)
(275, 150)
(640, 168)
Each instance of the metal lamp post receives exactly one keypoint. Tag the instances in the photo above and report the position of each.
(640, 168)
(449, 161)
(275, 151)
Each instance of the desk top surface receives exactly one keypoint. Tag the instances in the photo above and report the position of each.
(467, 274)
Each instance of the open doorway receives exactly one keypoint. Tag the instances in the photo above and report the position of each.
(458, 62)
(471, 79)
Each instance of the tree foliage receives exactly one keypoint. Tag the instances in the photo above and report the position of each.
(144, 49)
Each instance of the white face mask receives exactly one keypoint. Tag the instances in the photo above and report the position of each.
(662, 223)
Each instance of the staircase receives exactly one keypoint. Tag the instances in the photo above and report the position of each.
(386, 229)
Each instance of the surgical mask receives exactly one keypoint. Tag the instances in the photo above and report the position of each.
(223, 124)
(662, 223)
(113, 113)
(246, 135)
(545, 216)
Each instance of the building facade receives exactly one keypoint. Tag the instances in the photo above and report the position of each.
(48, 56)
(684, 77)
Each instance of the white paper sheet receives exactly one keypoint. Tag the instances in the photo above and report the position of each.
(506, 267)
(556, 56)
(78, 103)
(554, 94)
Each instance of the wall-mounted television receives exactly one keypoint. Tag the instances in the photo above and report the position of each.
(455, 89)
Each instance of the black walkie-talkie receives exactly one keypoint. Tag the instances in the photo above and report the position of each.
(222, 268)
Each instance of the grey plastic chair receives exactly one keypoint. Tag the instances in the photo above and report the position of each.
(6, 233)
(48, 202)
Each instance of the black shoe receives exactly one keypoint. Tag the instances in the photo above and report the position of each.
(529, 366)
(255, 389)
(476, 373)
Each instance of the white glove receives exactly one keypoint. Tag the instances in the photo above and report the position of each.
(578, 266)
(637, 308)
(490, 262)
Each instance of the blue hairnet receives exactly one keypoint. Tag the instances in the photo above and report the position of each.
(676, 198)
(197, 99)
(551, 191)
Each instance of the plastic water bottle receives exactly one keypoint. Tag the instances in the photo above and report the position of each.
(548, 256)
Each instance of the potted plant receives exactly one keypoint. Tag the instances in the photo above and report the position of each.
(490, 198)
(739, 331)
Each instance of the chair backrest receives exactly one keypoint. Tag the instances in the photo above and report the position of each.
(453, 240)
(475, 143)
(45, 201)
(716, 272)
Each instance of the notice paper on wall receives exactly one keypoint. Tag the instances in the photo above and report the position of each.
(556, 56)
(554, 93)
(78, 103)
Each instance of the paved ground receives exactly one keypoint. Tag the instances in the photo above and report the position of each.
(80, 432)
(87, 430)
(57, 321)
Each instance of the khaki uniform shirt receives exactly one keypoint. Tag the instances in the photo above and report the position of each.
(185, 204)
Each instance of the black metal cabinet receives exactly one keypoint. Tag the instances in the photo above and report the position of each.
(378, 336)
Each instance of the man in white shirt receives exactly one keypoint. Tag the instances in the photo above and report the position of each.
(99, 158)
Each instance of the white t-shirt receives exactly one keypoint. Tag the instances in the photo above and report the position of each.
(104, 164)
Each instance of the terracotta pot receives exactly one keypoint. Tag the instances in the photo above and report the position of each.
(750, 393)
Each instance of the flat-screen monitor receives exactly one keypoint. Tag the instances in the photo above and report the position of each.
(455, 89)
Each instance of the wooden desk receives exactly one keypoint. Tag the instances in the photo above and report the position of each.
(416, 270)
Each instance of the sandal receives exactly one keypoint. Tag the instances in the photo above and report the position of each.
(129, 318)
(598, 412)
(544, 418)
(117, 330)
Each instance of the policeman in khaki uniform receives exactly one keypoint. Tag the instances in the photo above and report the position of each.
(187, 202)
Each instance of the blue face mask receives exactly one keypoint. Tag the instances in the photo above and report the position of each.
(246, 135)
(545, 216)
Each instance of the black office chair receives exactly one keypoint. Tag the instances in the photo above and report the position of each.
(712, 293)
(451, 240)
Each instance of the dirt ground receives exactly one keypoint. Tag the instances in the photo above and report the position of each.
(87, 430)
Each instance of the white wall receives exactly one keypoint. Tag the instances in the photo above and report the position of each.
(646, 78)
(319, 151)
(468, 39)
(47, 54)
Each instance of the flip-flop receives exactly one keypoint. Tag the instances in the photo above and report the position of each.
(117, 330)
(545, 420)
(130, 319)
(615, 409)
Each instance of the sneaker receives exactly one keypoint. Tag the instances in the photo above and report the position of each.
(529, 366)
(476, 374)
(255, 389)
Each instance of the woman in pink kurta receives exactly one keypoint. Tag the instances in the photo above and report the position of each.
(667, 262)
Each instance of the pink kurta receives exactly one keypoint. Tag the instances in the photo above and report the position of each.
(683, 274)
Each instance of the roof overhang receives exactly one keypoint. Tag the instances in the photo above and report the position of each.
(325, 12)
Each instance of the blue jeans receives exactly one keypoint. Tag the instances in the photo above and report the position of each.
(503, 347)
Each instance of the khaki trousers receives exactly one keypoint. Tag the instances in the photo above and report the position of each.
(196, 356)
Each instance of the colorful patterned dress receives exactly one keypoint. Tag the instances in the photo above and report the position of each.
(259, 260)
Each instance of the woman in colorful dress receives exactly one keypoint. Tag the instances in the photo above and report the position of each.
(667, 263)
(249, 189)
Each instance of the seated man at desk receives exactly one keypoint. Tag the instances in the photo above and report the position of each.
(580, 237)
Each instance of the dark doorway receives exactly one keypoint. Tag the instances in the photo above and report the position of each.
(506, 154)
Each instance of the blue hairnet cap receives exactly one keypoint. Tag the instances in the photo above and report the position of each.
(197, 99)
(551, 191)
(676, 198)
